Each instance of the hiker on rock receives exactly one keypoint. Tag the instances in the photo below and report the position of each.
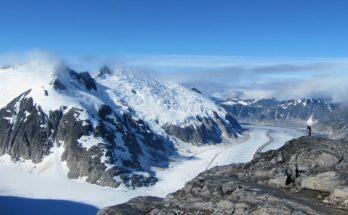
(309, 129)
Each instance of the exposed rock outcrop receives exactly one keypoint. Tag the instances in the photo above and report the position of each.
(306, 176)
(107, 153)
(106, 130)
(25, 130)
(208, 130)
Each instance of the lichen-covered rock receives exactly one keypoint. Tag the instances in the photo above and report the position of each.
(325, 181)
(137, 205)
(306, 176)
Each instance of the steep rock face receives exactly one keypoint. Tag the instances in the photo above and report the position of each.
(306, 176)
(29, 134)
(102, 143)
(102, 162)
(115, 147)
(64, 75)
(208, 130)
(25, 130)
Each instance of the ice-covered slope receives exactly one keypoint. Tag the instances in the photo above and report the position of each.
(181, 112)
(59, 107)
(113, 129)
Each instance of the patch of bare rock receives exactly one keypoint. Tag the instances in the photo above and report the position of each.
(306, 176)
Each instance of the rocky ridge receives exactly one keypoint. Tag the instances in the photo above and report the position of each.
(306, 176)
(268, 110)
(323, 115)
(105, 139)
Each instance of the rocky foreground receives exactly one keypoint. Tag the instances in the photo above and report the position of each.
(306, 176)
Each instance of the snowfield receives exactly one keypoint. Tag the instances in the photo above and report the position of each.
(47, 180)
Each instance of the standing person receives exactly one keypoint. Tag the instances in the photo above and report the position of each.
(309, 129)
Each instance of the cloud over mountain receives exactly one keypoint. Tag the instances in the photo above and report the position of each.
(227, 76)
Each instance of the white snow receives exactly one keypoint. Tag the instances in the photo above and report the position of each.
(158, 101)
(244, 102)
(26, 115)
(36, 76)
(155, 102)
(89, 141)
(310, 121)
(51, 165)
(48, 179)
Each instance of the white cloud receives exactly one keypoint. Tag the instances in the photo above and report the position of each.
(230, 76)
(12, 58)
(256, 77)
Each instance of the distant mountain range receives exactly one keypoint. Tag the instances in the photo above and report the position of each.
(323, 115)
(108, 128)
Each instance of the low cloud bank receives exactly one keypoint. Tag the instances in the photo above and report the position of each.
(223, 76)
(264, 77)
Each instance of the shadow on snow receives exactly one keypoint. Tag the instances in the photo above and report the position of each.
(19, 206)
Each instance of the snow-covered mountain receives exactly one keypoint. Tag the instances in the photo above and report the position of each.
(107, 130)
(181, 112)
(270, 110)
(337, 122)
(324, 116)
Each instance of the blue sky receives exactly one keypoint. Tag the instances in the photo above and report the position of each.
(253, 48)
(286, 28)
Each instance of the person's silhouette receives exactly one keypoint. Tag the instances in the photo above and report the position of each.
(309, 129)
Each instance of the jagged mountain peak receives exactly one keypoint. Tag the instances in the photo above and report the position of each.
(294, 112)
(159, 101)
(104, 71)
(110, 127)
(64, 77)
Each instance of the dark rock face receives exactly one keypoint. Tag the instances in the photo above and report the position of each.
(209, 130)
(104, 72)
(25, 131)
(77, 79)
(88, 81)
(196, 90)
(83, 162)
(28, 133)
(306, 176)
(98, 137)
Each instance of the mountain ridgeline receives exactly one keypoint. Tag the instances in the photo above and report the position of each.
(107, 130)
(324, 116)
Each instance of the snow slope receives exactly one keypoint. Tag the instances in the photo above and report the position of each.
(157, 101)
(115, 124)
(39, 77)
(54, 185)
(148, 99)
